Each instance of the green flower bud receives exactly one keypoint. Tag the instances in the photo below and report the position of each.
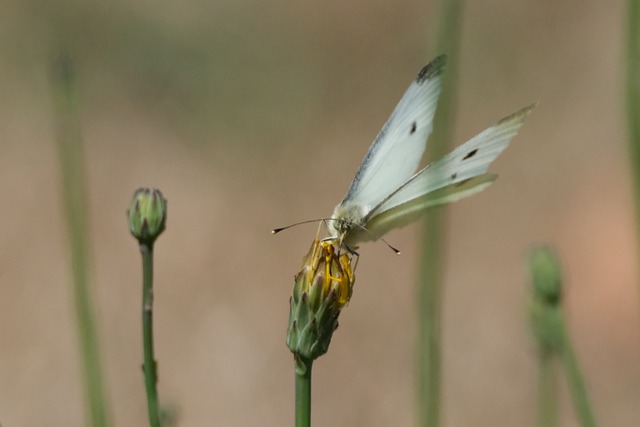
(147, 215)
(545, 309)
(546, 276)
(323, 286)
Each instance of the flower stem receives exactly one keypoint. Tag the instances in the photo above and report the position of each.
(547, 389)
(73, 192)
(429, 292)
(577, 387)
(303, 395)
(149, 367)
(429, 358)
(632, 98)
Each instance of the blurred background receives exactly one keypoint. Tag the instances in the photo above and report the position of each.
(250, 116)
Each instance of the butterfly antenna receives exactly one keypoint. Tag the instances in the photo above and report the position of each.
(394, 249)
(341, 238)
(277, 230)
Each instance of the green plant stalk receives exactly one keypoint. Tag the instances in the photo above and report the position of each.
(73, 193)
(632, 98)
(576, 383)
(429, 287)
(303, 395)
(429, 328)
(149, 367)
(547, 388)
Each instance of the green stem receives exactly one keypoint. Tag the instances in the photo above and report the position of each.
(429, 326)
(149, 367)
(303, 395)
(577, 387)
(632, 93)
(429, 290)
(73, 191)
(547, 389)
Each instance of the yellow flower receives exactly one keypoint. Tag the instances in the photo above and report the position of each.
(322, 287)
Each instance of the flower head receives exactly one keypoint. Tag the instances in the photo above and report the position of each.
(147, 215)
(322, 287)
(546, 276)
(545, 306)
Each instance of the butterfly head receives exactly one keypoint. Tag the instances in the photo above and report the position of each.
(346, 220)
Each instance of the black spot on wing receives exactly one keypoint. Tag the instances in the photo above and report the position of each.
(470, 154)
(414, 126)
(454, 176)
(432, 69)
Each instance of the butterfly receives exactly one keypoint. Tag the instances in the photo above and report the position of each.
(388, 193)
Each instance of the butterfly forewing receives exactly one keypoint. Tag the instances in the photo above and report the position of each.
(397, 150)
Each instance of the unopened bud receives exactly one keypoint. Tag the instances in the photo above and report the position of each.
(147, 215)
(545, 307)
(546, 275)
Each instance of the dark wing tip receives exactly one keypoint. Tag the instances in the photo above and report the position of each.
(432, 69)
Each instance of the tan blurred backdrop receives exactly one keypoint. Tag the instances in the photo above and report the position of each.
(251, 115)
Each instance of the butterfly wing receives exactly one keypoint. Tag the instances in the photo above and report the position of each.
(408, 212)
(459, 174)
(396, 152)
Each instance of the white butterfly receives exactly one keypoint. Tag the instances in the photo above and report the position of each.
(388, 193)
